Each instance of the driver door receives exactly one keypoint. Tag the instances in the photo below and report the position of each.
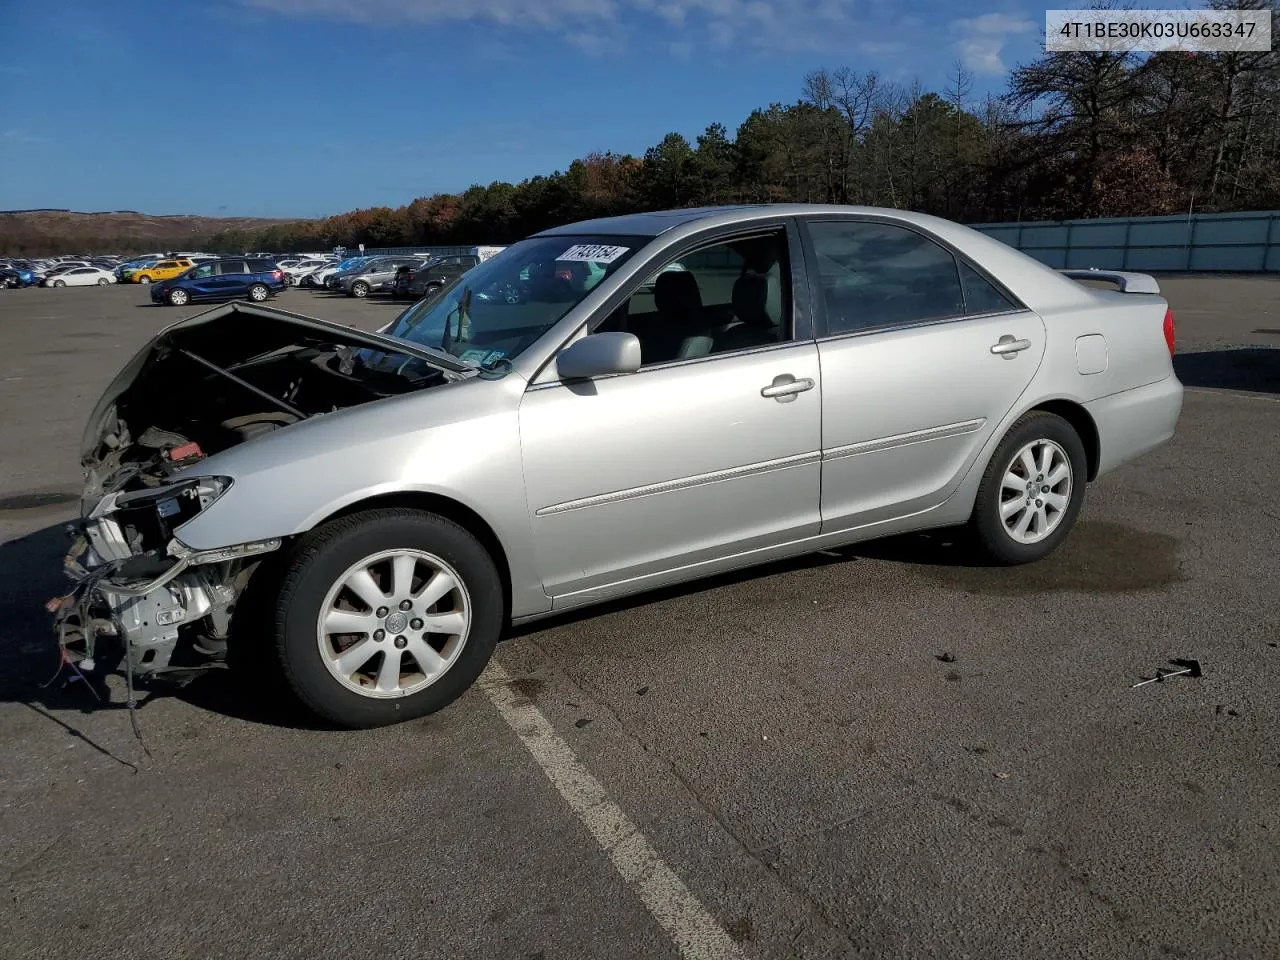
(638, 479)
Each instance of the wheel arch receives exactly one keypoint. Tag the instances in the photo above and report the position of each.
(1083, 423)
(441, 505)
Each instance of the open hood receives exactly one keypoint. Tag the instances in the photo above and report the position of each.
(235, 372)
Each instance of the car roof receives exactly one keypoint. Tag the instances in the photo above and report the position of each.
(657, 222)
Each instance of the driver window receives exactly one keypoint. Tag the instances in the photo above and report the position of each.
(731, 295)
(202, 272)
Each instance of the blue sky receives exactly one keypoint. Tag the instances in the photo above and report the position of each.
(312, 107)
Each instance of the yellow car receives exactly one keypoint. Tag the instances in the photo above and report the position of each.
(164, 270)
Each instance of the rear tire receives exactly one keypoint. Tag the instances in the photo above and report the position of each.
(326, 669)
(258, 293)
(1032, 490)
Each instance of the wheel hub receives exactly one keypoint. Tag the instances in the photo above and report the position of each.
(396, 622)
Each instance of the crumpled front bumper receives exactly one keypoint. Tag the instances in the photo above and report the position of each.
(147, 601)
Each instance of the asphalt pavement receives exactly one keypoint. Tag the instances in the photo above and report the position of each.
(884, 751)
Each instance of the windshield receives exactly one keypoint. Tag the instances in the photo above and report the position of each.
(501, 306)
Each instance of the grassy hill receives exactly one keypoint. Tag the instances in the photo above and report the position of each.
(46, 232)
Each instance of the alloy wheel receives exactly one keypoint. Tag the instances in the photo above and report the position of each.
(394, 623)
(1035, 491)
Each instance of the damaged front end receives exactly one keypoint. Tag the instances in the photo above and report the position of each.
(230, 376)
(168, 610)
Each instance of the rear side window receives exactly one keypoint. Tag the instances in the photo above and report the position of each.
(875, 275)
(231, 267)
(261, 266)
(980, 295)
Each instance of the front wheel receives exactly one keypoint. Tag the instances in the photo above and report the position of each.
(103, 281)
(1032, 490)
(359, 289)
(386, 615)
(59, 283)
(258, 293)
(144, 279)
(179, 297)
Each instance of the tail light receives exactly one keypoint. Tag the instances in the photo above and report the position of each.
(1169, 337)
(278, 274)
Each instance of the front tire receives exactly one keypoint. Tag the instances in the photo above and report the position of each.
(59, 283)
(144, 279)
(103, 281)
(259, 293)
(179, 297)
(386, 615)
(1032, 490)
(360, 289)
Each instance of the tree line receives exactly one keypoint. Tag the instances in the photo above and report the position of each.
(1072, 135)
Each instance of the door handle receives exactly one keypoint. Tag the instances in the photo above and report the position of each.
(1007, 346)
(785, 387)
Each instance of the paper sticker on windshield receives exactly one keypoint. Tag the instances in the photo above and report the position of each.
(593, 252)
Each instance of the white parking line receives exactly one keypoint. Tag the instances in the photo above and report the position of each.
(1231, 393)
(695, 933)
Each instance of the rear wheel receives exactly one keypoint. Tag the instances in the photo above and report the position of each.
(386, 615)
(1032, 490)
(259, 292)
(179, 297)
(359, 289)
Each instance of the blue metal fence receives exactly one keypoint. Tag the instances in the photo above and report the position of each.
(1232, 242)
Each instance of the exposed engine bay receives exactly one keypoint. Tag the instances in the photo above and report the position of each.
(202, 386)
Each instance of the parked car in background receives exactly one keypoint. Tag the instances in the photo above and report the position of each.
(229, 278)
(433, 275)
(81, 277)
(296, 271)
(18, 277)
(375, 276)
(322, 276)
(161, 270)
(57, 270)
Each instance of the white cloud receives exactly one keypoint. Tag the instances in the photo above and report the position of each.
(684, 27)
(21, 136)
(982, 40)
(543, 13)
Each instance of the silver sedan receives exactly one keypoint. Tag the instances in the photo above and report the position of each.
(599, 410)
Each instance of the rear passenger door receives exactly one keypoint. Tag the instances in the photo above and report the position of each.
(911, 386)
(233, 278)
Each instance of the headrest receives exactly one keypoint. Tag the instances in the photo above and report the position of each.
(676, 291)
(751, 300)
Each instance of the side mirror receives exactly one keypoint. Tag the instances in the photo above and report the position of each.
(599, 354)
